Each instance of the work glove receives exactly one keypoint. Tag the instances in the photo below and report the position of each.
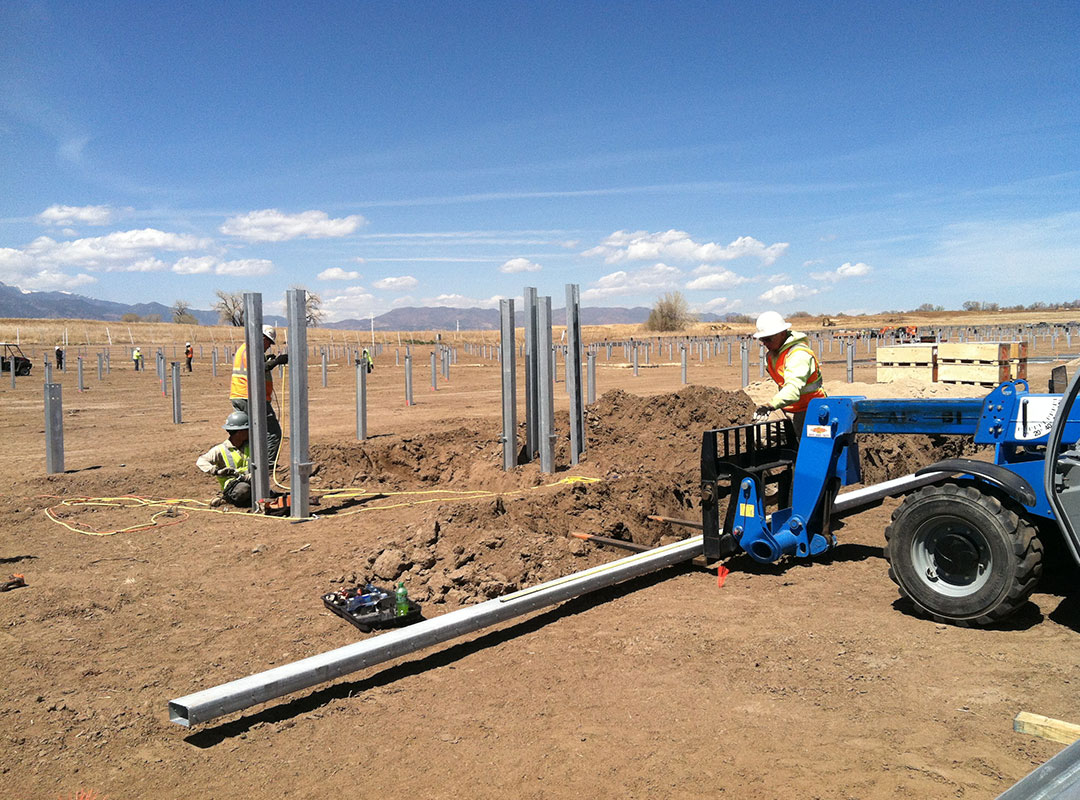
(225, 472)
(761, 413)
(278, 360)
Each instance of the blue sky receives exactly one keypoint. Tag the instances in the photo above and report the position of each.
(829, 157)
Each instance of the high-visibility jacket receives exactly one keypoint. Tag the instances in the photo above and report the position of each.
(188, 352)
(225, 455)
(238, 388)
(796, 372)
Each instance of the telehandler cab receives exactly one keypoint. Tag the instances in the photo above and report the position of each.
(964, 545)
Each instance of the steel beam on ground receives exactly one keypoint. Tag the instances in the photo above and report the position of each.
(573, 371)
(545, 386)
(299, 456)
(256, 380)
(176, 412)
(238, 695)
(54, 428)
(509, 383)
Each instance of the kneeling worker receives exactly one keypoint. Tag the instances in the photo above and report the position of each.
(791, 363)
(229, 461)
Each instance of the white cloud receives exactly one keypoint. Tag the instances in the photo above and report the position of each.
(779, 277)
(146, 265)
(396, 283)
(519, 265)
(718, 305)
(337, 274)
(203, 265)
(353, 302)
(647, 280)
(112, 249)
(786, 292)
(73, 215)
(715, 278)
(271, 225)
(461, 301)
(676, 245)
(847, 270)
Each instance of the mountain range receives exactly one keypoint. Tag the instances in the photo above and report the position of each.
(16, 303)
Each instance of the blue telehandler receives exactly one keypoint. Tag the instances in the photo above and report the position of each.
(964, 544)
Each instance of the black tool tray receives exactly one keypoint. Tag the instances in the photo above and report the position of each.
(368, 618)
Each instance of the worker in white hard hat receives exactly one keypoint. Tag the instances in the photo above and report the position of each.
(238, 388)
(791, 363)
(188, 354)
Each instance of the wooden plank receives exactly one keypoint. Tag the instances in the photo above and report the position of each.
(896, 372)
(975, 373)
(906, 354)
(1046, 728)
(982, 351)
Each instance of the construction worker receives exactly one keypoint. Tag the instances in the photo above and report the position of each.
(229, 462)
(136, 356)
(238, 388)
(791, 363)
(59, 357)
(365, 359)
(188, 353)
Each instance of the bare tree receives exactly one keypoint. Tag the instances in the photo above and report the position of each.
(671, 313)
(230, 307)
(181, 313)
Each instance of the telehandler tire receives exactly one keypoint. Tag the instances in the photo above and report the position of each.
(961, 556)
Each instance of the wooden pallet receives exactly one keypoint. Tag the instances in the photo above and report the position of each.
(907, 361)
(982, 363)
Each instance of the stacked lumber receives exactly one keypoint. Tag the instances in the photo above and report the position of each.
(981, 363)
(901, 361)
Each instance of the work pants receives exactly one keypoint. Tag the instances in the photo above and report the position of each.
(238, 493)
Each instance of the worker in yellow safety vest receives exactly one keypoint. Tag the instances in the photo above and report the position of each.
(791, 363)
(238, 388)
(229, 462)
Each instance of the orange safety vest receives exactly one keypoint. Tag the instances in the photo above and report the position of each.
(812, 389)
(238, 389)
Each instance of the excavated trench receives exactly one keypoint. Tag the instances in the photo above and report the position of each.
(642, 458)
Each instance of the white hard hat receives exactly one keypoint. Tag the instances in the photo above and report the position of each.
(770, 323)
(270, 333)
(188, 344)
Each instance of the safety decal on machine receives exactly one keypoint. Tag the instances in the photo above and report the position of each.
(819, 431)
(746, 509)
(1036, 417)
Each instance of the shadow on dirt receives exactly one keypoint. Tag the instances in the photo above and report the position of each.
(321, 697)
(1024, 618)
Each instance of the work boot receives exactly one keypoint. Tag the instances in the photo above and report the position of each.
(217, 502)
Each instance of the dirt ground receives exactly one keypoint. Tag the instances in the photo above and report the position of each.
(808, 680)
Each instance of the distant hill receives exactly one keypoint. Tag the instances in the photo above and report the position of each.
(18, 304)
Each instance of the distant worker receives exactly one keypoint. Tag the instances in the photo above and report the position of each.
(59, 357)
(136, 356)
(365, 360)
(238, 388)
(188, 353)
(791, 363)
(229, 463)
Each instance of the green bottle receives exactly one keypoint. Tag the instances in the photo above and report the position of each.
(401, 606)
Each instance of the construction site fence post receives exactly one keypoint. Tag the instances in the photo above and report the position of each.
(509, 383)
(54, 428)
(361, 400)
(546, 386)
(176, 411)
(299, 455)
(257, 399)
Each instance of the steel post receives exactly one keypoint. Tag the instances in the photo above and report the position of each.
(591, 373)
(532, 417)
(213, 361)
(325, 367)
(744, 363)
(682, 359)
(361, 400)
(573, 371)
(545, 386)
(54, 428)
(257, 399)
(635, 359)
(509, 383)
(100, 366)
(299, 456)
(408, 377)
(176, 413)
(851, 362)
